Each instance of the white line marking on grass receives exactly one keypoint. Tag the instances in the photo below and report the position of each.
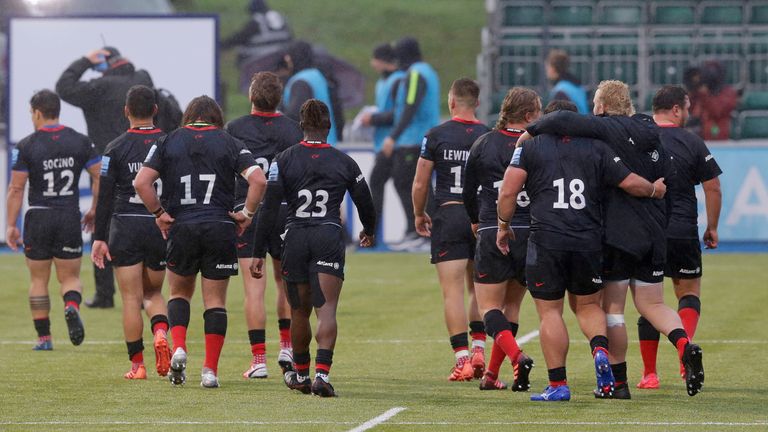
(527, 337)
(378, 420)
(170, 422)
(584, 423)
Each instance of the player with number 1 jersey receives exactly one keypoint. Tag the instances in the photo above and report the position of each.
(500, 279)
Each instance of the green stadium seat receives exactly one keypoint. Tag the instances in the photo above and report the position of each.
(668, 70)
(617, 70)
(758, 14)
(722, 14)
(719, 43)
(571, 15)
(673, 14)
(754, 101)
(523, 15)
(621, 14)
(753, 124)
(757, 43)
(520, 73)
(617, 44)
(758, 73)
(672, 43)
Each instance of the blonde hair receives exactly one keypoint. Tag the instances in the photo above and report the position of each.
(615, 97)
(518, 102)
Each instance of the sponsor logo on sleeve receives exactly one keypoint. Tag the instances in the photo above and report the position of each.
(617, 159)
(245, 151)
(14, 156)
(104, 165)
(424, 145)
(273, 171)
(516, 156)
(359, 178)
(708, 158)
(150, 153)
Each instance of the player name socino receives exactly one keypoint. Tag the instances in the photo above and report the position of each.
(50, 164)
(457, 155)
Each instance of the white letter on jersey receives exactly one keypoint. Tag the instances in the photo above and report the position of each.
(743, 205)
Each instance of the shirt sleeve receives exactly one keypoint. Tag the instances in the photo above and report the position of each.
(428, 147)
(518, 158)
(613, 168)
(73, 91)
(19, 158)
(155, 156)
(471, 183)
(706, 165)
(93, 156)
(569, 123)
(361, 196)
(243, 157)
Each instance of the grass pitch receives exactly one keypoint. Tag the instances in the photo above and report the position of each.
(392, 352)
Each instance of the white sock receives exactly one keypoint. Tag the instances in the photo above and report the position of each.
(478, 343)
(462, 353)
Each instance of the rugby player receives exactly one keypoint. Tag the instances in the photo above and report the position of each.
(126, 235)
(635, 238)
(265, 132)
(197, 165)
(52, 159)
(694, 164)
(313, 178)
(445, 150)
(564, 178)
(500, 280)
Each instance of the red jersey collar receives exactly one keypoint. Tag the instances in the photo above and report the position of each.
(265, 114)
(461, 120)
(52, 128)
(145, 130)
(314, 144)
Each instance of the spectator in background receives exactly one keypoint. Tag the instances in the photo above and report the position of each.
(265, 32)
(102, 101)
(416, 111)
(383, 62)
(712, 101)
(566, 85)
(308, 81)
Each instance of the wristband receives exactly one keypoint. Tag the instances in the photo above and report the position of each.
(159, 212)
(503, 224)
(654, 190)
(246, 213)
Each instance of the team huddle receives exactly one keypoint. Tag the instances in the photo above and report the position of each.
(562, 203)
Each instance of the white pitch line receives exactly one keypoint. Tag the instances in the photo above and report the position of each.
(527, 337)
(401, 423)
(378, 420)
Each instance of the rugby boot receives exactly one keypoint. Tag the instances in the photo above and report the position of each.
(44, 343)
(553, 394)
(208, 378)
(285, 359)
(490, 382)
(620, 391)
(322, 388)
(137, 372)
(522, 368)
(477, 360)
(462, 371)
(694, 368)
(649, 382)
(74, 325)
(258, 367)
(178, 376)
(296, 382)
(604, 375)
(162, 353)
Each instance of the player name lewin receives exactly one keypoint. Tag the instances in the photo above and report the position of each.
(459, 155)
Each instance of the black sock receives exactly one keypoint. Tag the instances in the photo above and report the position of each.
(598, 341)
(689, 301)
(459, 341)
(178, 312)
(284, 323)
(135, 347)
(73, 296)
(323, 361)
(557, 374)
(619, 372)
(476, 327)
(215, 321)
(301, 362)
(159, 320)
(514, 326)
(43, 327)
(677, 334)
(257, 336)
(495, 322)
(646, 331)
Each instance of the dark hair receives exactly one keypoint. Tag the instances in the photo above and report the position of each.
(266, 91)
(385, 52)
(47, 102)
(407, 51)
(203, 108)
(713, 75)
(301, 54)
(560, 105)
(669, 96)
(465, 91)
(315, 116)
(141, 101)
(559, 61)
(518, 102)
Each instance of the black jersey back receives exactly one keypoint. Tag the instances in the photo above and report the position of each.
(488, 160)
(122, 159)
(54, 158)
(693, 164)
(265, 135)
(314, 179)
(448, 147)
(566, 181)
(198, 166)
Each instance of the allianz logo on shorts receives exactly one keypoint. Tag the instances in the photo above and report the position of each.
(72, 250)
(327, 264)
(658, 273)
(226, 266)
(597, 280)
(697, 270)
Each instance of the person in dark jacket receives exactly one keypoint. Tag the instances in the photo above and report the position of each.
(102, 100)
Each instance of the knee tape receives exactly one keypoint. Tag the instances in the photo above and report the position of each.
(495, 322)
(614, 320)
(215, 321)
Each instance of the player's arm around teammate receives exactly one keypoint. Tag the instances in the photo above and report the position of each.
(126, 230)
(313, 178)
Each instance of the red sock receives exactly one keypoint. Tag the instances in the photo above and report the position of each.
(648, 350)
(681, 343)
(322, 368)
(558, 383)
(72, 303)
(160, 326)
(690, 319)
(285, 337)
(138, 357)
(259, 348)
(599, 349)
(179, 336)
(213, 345)
(478, 336)
(497, 358)
(508, 343)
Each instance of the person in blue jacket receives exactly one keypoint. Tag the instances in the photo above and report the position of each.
(566, 85)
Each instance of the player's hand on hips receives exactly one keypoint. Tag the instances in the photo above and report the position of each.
(503, 236)
(366, 240)
(257, 268)
(164, 222)
(99, 250)
(241, 220)
(12, 236)
(424, 225)
(388, 146)
(475, 227)
(88, 219)
(97, 56)
(710, 238)
(661, 188)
